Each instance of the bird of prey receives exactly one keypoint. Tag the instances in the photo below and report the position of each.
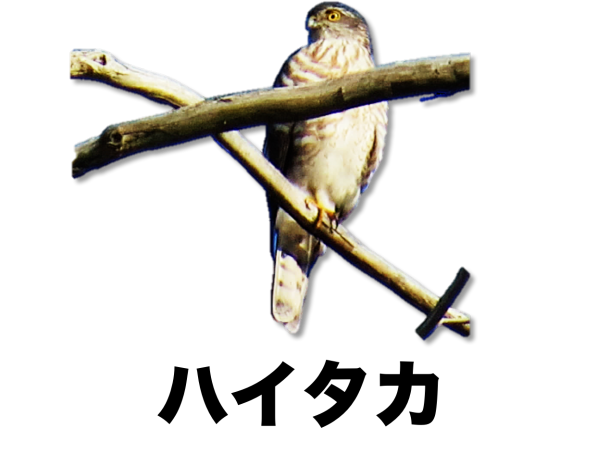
(332, 158)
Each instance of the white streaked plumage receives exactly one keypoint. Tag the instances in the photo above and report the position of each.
(332, 157)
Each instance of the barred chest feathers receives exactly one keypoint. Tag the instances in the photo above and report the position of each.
(333, 157)
(326, 59)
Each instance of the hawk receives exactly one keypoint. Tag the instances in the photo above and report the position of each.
(332, 158)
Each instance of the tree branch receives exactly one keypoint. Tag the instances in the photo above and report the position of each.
(102, 66)
(429, 325)
(441, 76)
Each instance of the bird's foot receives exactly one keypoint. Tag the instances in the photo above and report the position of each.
(321, 212)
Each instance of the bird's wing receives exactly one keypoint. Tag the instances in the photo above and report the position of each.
(278, 140)
(379, 117)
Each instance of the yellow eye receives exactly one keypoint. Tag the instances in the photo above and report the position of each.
(333, 16)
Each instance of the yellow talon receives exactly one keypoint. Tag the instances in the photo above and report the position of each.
(321, 211)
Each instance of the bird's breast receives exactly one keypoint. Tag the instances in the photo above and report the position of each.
(326, 59)
(330, 153)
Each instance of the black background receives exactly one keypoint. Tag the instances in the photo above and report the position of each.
(171, 246)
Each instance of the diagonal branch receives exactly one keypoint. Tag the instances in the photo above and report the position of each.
(102, 66)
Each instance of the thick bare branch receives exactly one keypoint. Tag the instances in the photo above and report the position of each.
(104, 67)
(443, 75)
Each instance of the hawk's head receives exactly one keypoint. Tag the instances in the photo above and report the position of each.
(335, 20)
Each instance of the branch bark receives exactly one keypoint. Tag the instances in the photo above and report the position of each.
(444, 74)
(103, 66)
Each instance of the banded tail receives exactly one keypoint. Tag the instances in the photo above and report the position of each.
(295, 253)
